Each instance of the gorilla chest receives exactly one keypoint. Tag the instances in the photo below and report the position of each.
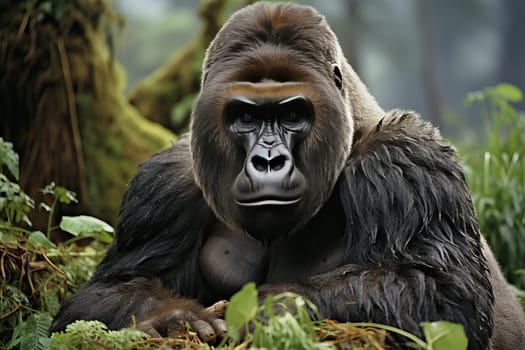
(228, 260)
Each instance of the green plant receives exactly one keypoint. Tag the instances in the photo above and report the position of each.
(91, 335)
(496, 175)
(292, 328)
(35, 272)
(269, 330)
(252, 325)
(14, 203)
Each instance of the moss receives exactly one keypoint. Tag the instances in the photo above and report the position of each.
(63, 102)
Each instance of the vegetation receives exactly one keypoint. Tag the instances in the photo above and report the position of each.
(36, 273)
(495, 171)
(263, 329)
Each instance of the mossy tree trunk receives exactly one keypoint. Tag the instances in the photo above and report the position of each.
(166, 96)
(62, 104)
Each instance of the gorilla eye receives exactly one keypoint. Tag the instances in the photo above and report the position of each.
(295, 120)
(290, 118)
(241, 115)
(296, 114)
(247, 118)
(244, 123)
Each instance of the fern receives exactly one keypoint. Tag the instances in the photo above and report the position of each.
(32, 334)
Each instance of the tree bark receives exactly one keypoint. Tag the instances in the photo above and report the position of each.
(62, 104)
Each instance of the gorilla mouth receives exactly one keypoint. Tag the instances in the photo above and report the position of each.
(268, 196)
(267, 201)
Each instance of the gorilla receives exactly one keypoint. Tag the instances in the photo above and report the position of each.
(293, 177)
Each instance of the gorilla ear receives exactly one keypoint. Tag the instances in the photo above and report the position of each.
(338, 76)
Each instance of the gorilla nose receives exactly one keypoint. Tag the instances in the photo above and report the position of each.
(269, 164)
(269, 179)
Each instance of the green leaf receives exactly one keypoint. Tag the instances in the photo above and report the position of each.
(241, 309)
(39, 239)
(443, 335)
(101, 236)
(509, 92)
(15, 204)
(83, 224)
(473, 97)
(51, 302)
(9, 158)
(62, 194)
(45, 207)
(32, 334)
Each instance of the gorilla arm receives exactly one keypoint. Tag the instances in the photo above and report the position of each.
(144, 303)
(155, 252)
(509, 318)
(413, 250)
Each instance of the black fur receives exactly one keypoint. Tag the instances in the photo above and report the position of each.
(413, 244)
(411, 241)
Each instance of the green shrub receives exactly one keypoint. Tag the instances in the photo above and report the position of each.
(292, 328)
(90, 335)
(36, 274)
(495, 171)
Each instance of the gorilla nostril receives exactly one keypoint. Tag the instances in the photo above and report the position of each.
(277, 163)
(259, 163)
(274, 164)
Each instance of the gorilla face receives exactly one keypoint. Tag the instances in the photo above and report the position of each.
(270, 130)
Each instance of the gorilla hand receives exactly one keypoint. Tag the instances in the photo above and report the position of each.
(170, 320)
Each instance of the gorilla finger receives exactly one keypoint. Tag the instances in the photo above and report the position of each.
(204, 330)
(219, 325)
(218, 308)
(176, 322)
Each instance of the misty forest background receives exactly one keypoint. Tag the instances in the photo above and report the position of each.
(90, 88)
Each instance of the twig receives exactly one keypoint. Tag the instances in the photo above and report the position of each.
(53, 265)
(70, 96)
